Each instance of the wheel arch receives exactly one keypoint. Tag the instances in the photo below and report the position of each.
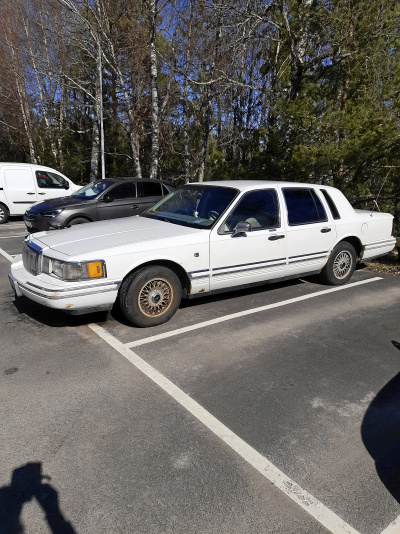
(6, 209)
(76, 216)
(356, 244)
(175, 267)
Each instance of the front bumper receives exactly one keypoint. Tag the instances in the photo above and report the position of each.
(70, 297)
(37, 223)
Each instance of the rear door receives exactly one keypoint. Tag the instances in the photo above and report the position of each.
(311, 234)
(148, 193)
(119, 201)
(19, 189)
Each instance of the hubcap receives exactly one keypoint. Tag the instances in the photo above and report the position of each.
(155, 297)
(342, 264)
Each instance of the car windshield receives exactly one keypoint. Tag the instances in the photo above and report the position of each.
(197, 206)
(92, 190)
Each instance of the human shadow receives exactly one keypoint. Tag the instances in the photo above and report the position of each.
(380, 431)
(26, 484)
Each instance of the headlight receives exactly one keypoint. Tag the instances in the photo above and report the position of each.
(51, 213)
(74, 271)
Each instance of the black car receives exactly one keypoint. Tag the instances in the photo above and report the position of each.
(104, 199)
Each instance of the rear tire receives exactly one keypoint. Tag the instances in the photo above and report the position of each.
(151, 296)
(340, 265)
(4, 214)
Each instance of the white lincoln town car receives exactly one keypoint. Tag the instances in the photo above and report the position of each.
(201, 238)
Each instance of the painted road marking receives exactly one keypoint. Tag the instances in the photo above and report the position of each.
(7, 256)
(393, 528)
(211, 322)
(310, 504)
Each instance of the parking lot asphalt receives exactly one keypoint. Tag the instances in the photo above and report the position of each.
(274, 409)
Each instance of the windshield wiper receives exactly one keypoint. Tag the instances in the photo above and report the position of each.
(154, 216)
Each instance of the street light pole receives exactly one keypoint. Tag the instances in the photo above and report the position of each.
(103, 168)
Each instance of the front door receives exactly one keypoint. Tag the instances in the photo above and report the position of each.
(240, 259)
(51, 185)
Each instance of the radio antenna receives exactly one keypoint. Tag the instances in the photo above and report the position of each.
(380, 190)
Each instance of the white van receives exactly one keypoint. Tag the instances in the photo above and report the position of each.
(23, 184)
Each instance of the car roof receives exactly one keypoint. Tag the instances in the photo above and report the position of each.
(243, 185)
(137, 179)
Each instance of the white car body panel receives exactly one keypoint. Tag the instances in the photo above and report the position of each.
(19, 189)
(211, 259)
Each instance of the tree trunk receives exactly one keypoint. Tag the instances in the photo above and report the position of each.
(155, 135)
(94, 160)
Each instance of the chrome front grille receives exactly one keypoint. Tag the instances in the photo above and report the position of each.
(31, 259)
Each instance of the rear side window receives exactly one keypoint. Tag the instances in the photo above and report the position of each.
(149, 189)
(303, 206)
(331, 204)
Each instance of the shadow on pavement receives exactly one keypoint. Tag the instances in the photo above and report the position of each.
(380, 431)
(55, 318)
(26, 484)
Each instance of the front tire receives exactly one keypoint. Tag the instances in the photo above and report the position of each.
(78, 220)
(4, 214)
(340, 265)
(150, 296)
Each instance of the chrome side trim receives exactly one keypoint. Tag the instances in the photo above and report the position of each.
(249, 270)
(118, 282)
(376, 244)
(202, 274)
(310, 254)
(307, 259)
(60, 297)
(265, 262)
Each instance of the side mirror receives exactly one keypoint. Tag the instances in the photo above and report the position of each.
(66, 184)
(241, 229)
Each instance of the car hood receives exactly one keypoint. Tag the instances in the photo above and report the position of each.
(56, 203)
(98, 236)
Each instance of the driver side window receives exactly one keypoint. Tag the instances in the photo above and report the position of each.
(49, 180)
(259, 208)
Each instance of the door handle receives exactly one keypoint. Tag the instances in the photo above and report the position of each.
(134, 206)
(41, 193)
(30, 193)
(325, 230)
(275, 237)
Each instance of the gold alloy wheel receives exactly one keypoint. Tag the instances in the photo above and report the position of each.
(155, 297)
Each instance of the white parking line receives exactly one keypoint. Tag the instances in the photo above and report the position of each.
(310, 504)
(7, 256)
(393, 528)
(171, 333)
(8, 236)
